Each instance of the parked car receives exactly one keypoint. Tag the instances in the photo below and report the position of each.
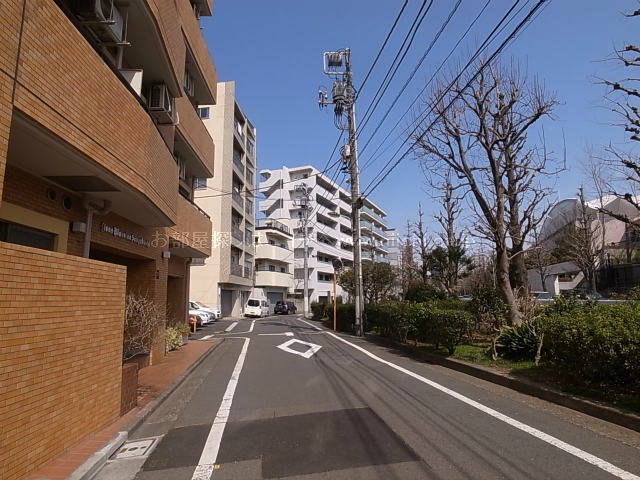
(585, 293)
(282, 307)
(256, 308)
(292, 307)
(213, 311)
(543, 295)
(202, 317)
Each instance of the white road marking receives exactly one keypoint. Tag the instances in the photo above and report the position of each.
(209, 455)
(310, 324)
(206, 337)
(231, 327)
(581, 454)
(252, 324)
(286, 334)
(313, 348)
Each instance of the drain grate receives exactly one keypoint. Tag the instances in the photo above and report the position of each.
(136, 448)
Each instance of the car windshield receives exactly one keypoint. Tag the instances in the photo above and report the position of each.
(253, 303)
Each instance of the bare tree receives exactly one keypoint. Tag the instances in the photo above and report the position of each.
(423, 242)
(480, 133)
(540, 255)
(143, 321)
(583, 246)
(407, 261)
(451, 260)
(623, 97)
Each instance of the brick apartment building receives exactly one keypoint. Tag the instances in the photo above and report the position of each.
(100, 144)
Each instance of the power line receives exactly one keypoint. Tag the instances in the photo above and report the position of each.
(482, 67)
(479, 50)
(384, 44)
(413, 73)
(388, 78)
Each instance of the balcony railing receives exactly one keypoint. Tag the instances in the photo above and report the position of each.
(248, 207)
(236, 233)
(268, 223)
(237, 160)
(248, 271)
(371, 213)
(236, 269)
(249, 176)
(237, 197)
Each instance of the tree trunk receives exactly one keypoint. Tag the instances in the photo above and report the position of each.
(518, 269)
(504, 284)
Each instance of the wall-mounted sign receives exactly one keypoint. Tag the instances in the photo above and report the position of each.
(131, 237)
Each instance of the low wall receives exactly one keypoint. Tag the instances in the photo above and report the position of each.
(61, 324)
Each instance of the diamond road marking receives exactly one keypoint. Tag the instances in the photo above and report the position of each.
(313, 348)
(136, 448)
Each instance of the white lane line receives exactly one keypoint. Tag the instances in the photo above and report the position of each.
(206, 337)
(209, 455)
(581, 454)
(286, 334)
(252, 324)
(310, 324)
(231, 327)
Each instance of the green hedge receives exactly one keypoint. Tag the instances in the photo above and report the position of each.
(596, 344)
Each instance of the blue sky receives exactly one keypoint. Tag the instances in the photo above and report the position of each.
(273, 51)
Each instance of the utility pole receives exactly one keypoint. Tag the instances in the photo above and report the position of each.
(338, 65)
(302, 201)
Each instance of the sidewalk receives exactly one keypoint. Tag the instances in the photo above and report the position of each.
(153, 381)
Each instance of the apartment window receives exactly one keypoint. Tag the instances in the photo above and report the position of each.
(282, 270)
(204, 112)
(199, 183)
(272, 242)
(272, 268)
(27, 236)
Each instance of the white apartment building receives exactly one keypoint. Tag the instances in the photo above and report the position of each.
(226, 278)
(274, 261)
(329, 226)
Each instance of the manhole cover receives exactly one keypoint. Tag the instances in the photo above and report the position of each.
(136, 448)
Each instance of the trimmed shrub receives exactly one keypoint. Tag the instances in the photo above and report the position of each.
(441, 327)
(597, 344)
(320, 310)
(420, 292)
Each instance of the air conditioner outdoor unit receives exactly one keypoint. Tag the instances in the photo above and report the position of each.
(104, 18)
(161, 104)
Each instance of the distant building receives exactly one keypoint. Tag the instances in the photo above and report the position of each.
(274, 260)
(394, 247)
(330, 235)
(226, 278)
(610, 235)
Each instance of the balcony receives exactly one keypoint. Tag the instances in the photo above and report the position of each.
(197, 140)
(248, 271)
(371, 214)
(237, 162)
(191, 236)
(248, 208)
(274, 224)
(236, 269)
(198, 51)
(273, 252)
(237, 198)
(267, 278)
(136, 172)
(236, 233)
(248, 175)
(238, 131)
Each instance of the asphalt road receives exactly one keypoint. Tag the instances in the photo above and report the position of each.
(282, 399)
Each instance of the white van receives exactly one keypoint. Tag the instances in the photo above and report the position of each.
(256, 308)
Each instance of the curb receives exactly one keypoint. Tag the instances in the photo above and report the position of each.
(590, 407)
(95, 462)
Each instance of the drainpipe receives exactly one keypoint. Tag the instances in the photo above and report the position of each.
(91, 209)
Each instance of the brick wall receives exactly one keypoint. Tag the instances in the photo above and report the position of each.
(62, 83)
(60, 353)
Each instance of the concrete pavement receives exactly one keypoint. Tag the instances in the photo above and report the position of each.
(283, 398)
